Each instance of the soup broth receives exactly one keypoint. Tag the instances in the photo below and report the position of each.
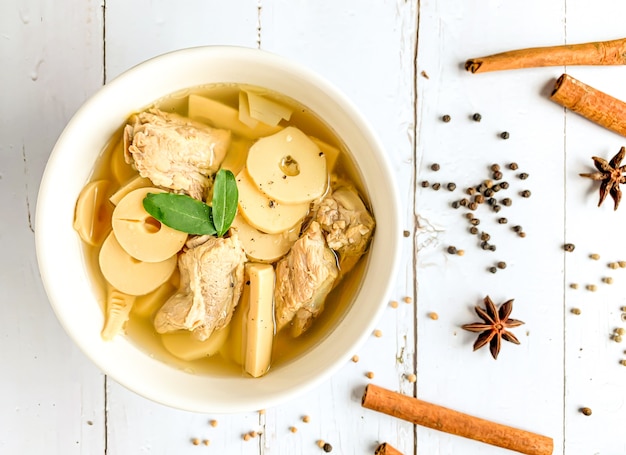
(140, 328)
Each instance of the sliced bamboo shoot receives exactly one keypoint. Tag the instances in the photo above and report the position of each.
(92, 217)
(266, 110)
(185, 346)
(223, 116)
(288, 167)
(244, 111)
(120, 168)
(146, 305)
(260, 319)
(133, 184)
(118, 306)
(262, 247)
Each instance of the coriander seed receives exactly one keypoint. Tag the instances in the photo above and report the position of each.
(488, 192)
(434, 316)
(617, 338)
(622, 362)
(513, 166)
(451, 186)
(471, 191)
(320, 443)
(521, 234)
(620, 331)
(355, 358)
(501, 265)
(306, 419)
(479, 198)
(472, 205)
(607, 280)
(569, 247)
(622, 264)
(406, 233)
(369, 375)
(407, 299)
(460, 252)
(463, 202)
(517, 228)
(613, 265)
(594, 256)
(477, 117)
(411, 378)
(622, 308)
(293, 429)
(246, 437)
(623, 317)
(574, 285)
(446, 118)
(575, 311)
(585, 411)
(505, 135)
(469, 215)
(393, 304)
(496, 208)
(475, 221)
(378, 333)
(497, 187)
(456, 204)
(213, 423)
(591, 287)
(195, 441)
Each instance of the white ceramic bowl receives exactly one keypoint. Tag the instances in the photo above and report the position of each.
(65, 274)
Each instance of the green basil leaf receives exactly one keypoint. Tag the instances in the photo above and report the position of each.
(180, 212)
(224, 202)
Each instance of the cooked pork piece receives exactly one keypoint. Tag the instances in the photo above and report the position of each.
(347, 225)
(211, 281)
(303, 280)
(175, 152)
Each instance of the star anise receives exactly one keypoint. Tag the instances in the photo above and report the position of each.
(495, 325)
(611, 174)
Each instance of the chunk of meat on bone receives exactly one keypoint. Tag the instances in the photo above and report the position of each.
(175, 152)
(347, 225)
(211, 282)
(303, 280)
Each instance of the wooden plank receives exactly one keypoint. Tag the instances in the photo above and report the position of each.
(51, 396)
(367, 50)
(524, 387)
(594, 377)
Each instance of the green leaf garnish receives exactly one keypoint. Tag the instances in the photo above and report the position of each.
(180, 212)
(186, 214)
(225, 198)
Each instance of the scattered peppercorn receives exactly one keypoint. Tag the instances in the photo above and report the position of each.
(525, 193)
(469, 215)
(206, 442)
(474, 221)
(506, 202)
(496, 208)
(306, 419)
(463, 202)
(522, 234)
(425, 184)
(473, 230)
(393, 304)
(471, 191)
(502, 221)
(320, 443)
(355, 358)
(213, 423)
(569, 247)
(613, 265)
(485, 237)
(504, 185)
(493, 269)
(497, 175)
(407, 299)
(446, 118)
(517, 228)
(620, 331)
(622, 362)
(622, 264)
(477, 117)
(436, 186)
(622, 308)
(460, 252)
(327, 448)
(378, 333)
(435, 167)
(492, 247)
(586, 411)
(501, 265)
(253, 434)
(369, 375)
(472, 205)
(195, 441)
(246, 437)
(513, 166)
(406, 233)
(497, 187)
(574, 285)
(411, 378)
(591, 287)
(495, 167)
(434, 316)
(505, 135)
(293, 429)
(479, 198)
(594, 256)
(607, 280)
(488, 192)
(451, 186)
(575, 311)
(617, 338)
(623, 317)
(492, 201)
(523, 176)
(456, 204)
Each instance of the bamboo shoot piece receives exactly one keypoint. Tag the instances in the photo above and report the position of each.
(185, 346)
(259, 322)
(118, 306)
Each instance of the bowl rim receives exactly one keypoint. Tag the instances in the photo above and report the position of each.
(119, 358)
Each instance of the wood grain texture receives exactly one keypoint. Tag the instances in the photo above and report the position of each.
(401, 63)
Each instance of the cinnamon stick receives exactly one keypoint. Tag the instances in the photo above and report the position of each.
(386, 449)
(447, 420)
(591, 103)
(597, 53)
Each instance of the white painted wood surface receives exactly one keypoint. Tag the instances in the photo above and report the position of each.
(56, 54)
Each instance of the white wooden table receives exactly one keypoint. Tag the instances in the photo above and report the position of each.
(401, 63)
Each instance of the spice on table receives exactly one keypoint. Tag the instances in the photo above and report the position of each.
(453, 422)
(594, 256)
(355, 358)
(327, 447)
(386, 449)
(425, 184)
(474, 221)
(434, 316)
(293, 429)
(195, 441)
(611, 175)
(623, 317)
(406, 233)
(369, 375)
(446, 118)
(206, 442)
(501, 265)
(591, 287)
(607, 280)
(460, 252)
(320, 443)
(492, 269)
(502, 220)
(306, 419)
(620, 331)
(393, 304)
(617, 338)
(574, 285)
(473, 230)
(613, 265)
(496, 208)
(407, 299)
(586, 411)
(506, 202)
(477, 117)
(451, 186)
(569, 247)
(591, 103)
(497, 175)
(504, 185)
(435, 167)
(452, 249)
(575, 311)
(513, 166)
(473, 205)
(596, 53)
(523, 176)
(525, 193)
(485, 237)
(436, 186)
(479, 198)
(622, 264)
(246, 437)
(494, 327)
(213, 423)
(378, 333)
(411, 378)
(505, 135)
(622, 362)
